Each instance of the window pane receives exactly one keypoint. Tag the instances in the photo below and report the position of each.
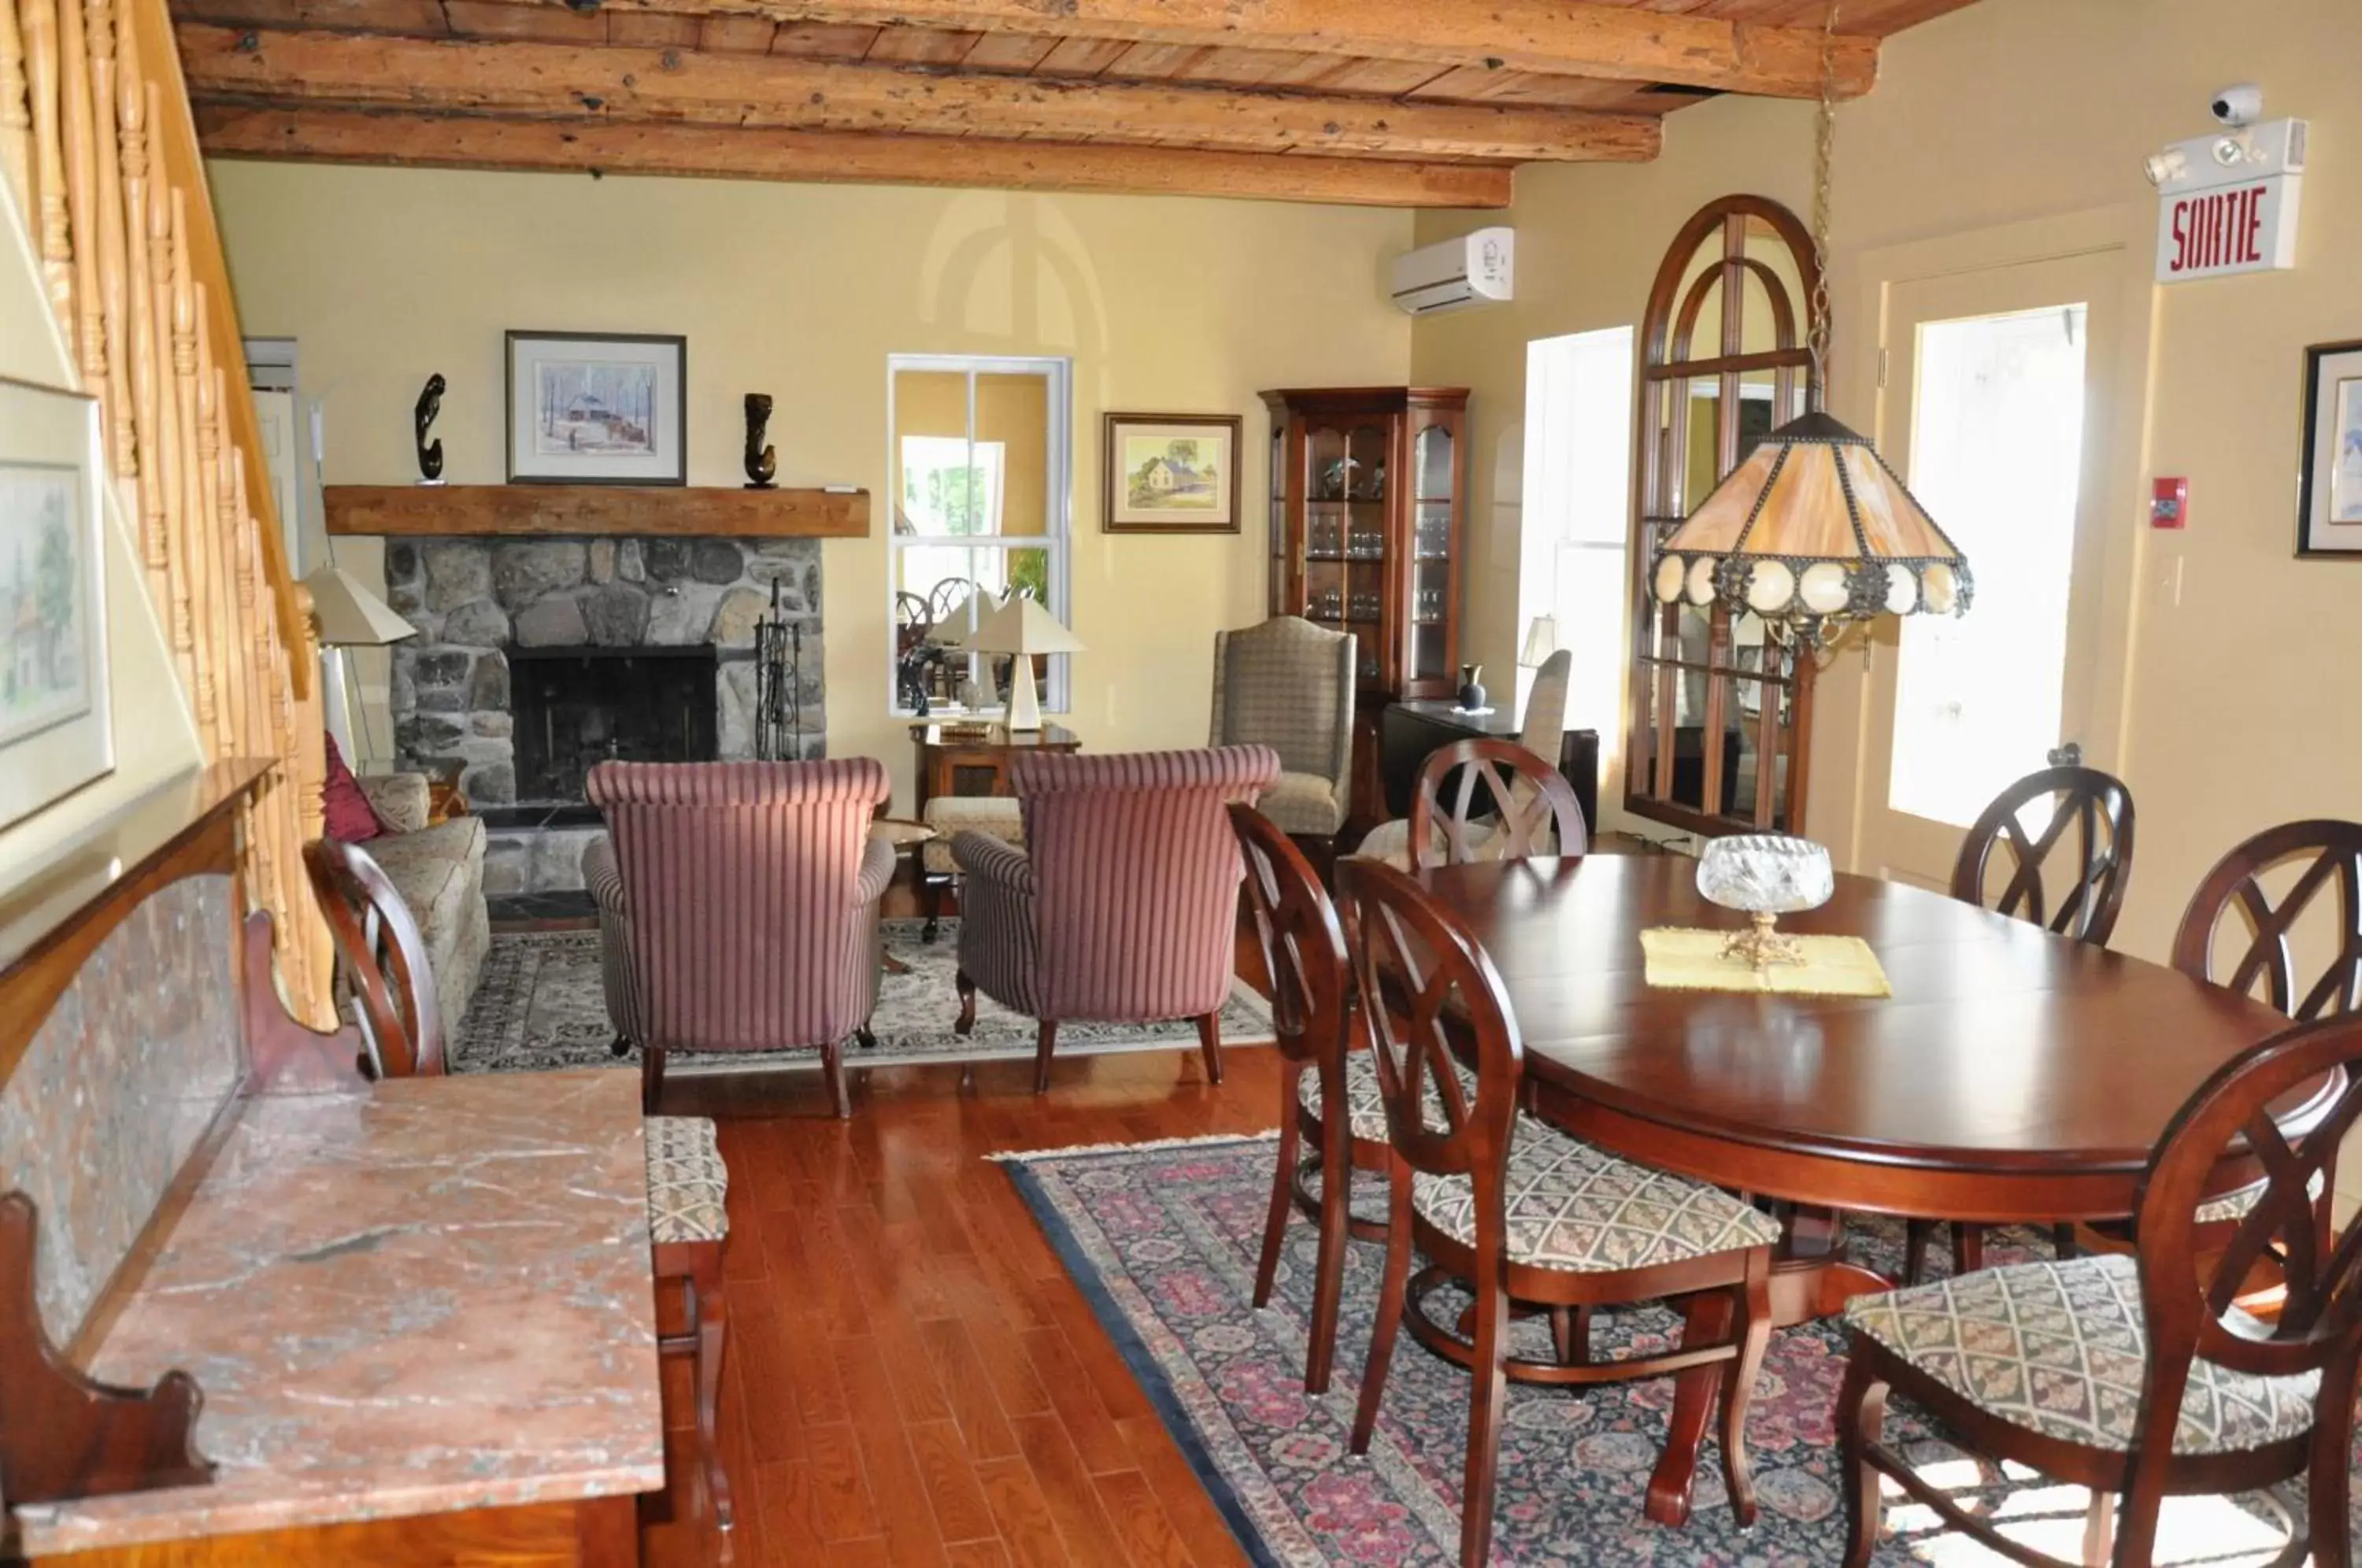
(1978, 698)
(954, 588)
(1012, 417)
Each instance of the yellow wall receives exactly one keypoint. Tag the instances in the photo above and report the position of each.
(2239, 707)
(383, 276)
(155, 741)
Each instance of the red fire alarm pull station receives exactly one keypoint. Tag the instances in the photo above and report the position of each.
(2168, 503)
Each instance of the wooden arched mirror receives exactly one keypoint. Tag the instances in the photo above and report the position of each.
(1720, 714)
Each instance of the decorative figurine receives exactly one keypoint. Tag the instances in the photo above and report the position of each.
(430, 454)
(762, 462)
(1471, 687)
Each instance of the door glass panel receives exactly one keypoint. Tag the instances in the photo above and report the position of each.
(1997, 445)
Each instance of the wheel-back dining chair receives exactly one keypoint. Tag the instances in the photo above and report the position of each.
(746, 895)
(1123, 905)
(1510, 1209)
(1328, 1094)
(383, 962)
(2139, 1377)
(1533, 809)
(2011, 865)
(1543, 736)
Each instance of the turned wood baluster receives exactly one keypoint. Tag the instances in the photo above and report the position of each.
(86, 321)
(99, 32)
(16, 121)
(169, 490)
(48, 212)
(204, 642)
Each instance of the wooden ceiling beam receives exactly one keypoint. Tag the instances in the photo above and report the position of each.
(618, 82)
(1566, 37)
(353, 136)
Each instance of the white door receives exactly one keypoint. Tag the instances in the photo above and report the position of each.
(1990, 411)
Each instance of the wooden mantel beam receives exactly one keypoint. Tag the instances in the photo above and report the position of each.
(352, 135)
(1569, 38)
(611, 82)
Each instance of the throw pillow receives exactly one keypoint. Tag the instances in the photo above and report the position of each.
(350, 817)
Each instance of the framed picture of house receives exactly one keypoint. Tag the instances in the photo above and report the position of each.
(55, 730)
(1170, 473)
(2329, 490)
(597, 408)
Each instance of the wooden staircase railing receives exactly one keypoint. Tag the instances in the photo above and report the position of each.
(97, 141)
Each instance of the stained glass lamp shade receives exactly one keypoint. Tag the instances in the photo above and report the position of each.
(1811, 531)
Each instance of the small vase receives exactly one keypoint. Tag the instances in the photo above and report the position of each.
(1472, 686)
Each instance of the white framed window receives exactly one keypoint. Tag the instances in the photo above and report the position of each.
(1577, 516)
(982, 502)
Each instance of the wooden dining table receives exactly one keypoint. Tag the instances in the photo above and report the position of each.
(2013, 1076)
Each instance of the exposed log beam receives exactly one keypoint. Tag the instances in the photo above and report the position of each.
(1571, 37)
(576, 81)
(352, 135)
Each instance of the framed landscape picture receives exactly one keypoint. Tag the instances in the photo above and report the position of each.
(597, 408)
(2329, 490)
(55, 734)
(1170, 473)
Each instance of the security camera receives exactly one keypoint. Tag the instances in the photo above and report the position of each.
(2238, 105)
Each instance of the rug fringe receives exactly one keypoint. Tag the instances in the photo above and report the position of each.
(1013, 1156)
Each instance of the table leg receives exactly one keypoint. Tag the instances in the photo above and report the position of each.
(1807, 1288)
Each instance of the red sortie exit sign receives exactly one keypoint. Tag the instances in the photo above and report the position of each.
(2247, 227)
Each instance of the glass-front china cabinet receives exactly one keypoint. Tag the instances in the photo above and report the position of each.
(1368, 511)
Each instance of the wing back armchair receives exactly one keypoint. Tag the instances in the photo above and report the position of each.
(1122, 906)
(750, 896)
(1288, 684)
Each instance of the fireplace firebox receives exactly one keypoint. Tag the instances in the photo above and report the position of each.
(577, 707)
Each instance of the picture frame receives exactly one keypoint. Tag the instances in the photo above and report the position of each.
(2329, 483)
(597, 408)
(57, 733)
(1169, 473)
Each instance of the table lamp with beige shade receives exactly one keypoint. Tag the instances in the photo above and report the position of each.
(1023, 628)
(349, 616)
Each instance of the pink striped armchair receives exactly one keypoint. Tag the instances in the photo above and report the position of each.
(745, 897)
(1123, 905)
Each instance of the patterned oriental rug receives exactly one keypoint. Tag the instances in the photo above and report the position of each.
(539, 1007)
(1163, 1241)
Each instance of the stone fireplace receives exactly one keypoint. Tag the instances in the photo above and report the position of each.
(536, 657)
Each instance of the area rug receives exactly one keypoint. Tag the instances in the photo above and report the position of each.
(1163, 1241)
(539, 1006)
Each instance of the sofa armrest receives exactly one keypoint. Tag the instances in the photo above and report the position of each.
(399, 799)
(982, 856)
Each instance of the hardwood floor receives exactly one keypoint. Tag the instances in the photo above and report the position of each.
(912, 1376)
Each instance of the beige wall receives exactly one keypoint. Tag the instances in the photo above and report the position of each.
(383, 276)
(2238, 704)
(154, 740)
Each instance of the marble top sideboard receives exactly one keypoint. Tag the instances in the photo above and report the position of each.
(428, 1295)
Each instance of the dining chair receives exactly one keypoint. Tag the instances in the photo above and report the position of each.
(2005, 865)
(383, 960)
(1543, 735)
(1509, 1209)
(1329, 1093)
(1526, 807)
(2137, 1376)
(1123, 905)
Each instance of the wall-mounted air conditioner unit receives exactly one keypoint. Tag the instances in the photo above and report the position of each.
(1475, 268)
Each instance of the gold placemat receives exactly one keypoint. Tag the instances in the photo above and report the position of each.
(1685, 959)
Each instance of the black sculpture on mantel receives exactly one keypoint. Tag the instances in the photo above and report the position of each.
(430, 454)
(762, 462)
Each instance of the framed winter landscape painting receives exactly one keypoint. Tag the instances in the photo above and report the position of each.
(597, 408)
(1170, 473)
(55, 736)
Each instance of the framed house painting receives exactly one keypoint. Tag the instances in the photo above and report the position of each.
(1170, 473)
(2329, 489)
(55, 732)
(597, 408)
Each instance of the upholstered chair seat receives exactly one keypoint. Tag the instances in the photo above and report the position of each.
(1365, 1101)
(1304, 804)
(2060, 1349)
(996, 816)
(689, 1187)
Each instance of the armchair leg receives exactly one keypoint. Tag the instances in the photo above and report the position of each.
(831, 1065)
(1209, 1041)
(1047, 1043)
(652, 1066)
(966, 1023)
(622, 1046)
(931, 903)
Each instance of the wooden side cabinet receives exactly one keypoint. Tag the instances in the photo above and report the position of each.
(1368, 520)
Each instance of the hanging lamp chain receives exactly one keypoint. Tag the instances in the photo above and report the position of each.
(1824, 154)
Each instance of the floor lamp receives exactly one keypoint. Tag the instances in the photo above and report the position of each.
(349, 616)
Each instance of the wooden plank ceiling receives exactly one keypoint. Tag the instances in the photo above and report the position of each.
(1396, 103)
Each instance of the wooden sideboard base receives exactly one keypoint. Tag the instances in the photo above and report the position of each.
(595, 1532)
